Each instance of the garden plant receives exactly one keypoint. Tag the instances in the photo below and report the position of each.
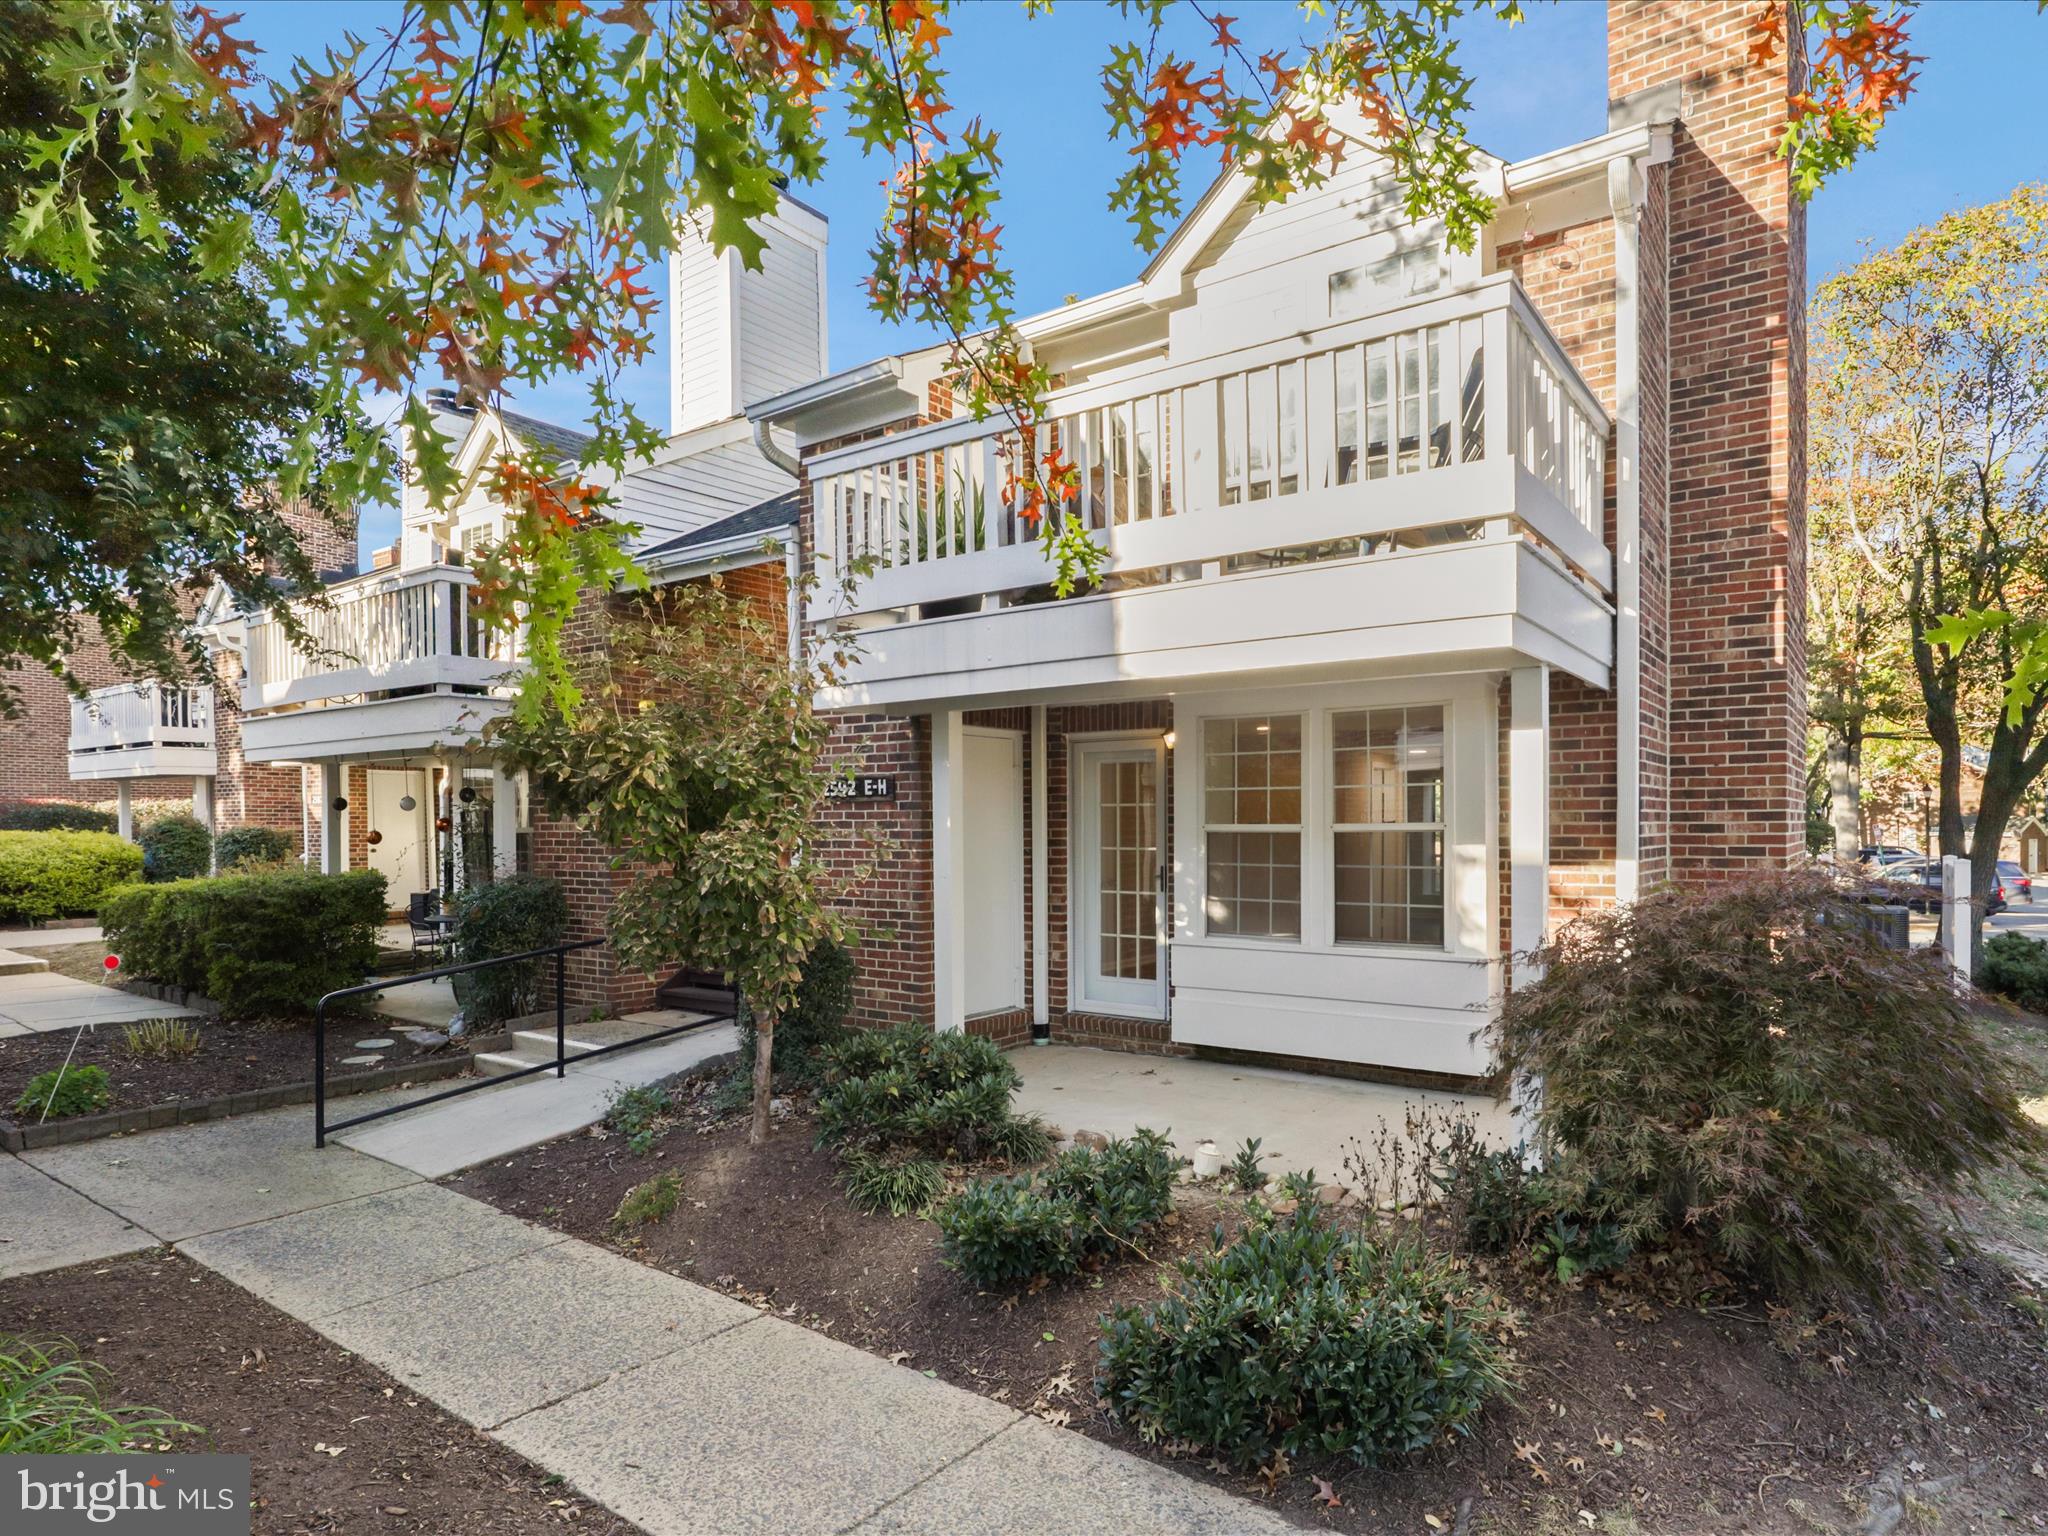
(1089, 1204)
(1751, 1067)
(897, 1103)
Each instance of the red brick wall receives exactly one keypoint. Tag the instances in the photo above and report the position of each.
(1737, 437)
(893, 958)
(564, 852)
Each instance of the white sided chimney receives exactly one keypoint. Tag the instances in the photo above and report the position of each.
(737, 336)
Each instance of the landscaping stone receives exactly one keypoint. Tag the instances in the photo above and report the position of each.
(1091, 1139)
(426, 1037)
(360, 1061)
(372, 1045)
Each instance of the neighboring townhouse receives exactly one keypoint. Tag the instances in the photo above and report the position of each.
(1444, 595)
(146, 748)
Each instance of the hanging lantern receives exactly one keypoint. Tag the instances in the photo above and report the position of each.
(468, 794)
(373, 837)
(340, 803)
(440, 823)
(407, 803)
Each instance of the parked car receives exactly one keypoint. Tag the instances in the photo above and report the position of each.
(2013, 878)
(1885, 855)
(1916, 883)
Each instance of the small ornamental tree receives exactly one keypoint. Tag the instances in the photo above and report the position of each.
(693, 749)
(1749, 1064)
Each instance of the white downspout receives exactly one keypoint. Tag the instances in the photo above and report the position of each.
(773, 451)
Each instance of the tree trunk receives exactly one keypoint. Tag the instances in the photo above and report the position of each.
(1845, 797)
(764, 1077)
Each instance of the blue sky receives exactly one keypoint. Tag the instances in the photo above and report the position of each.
(1973, 130)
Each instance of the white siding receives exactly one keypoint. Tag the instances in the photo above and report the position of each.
(1267, 271)
(681, 491)
(700, 334)
(781, 334)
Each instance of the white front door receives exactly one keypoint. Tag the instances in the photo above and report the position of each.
(1118, 940)
(400, 852)
(994, 814)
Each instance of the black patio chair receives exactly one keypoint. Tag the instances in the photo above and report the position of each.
(428, 937)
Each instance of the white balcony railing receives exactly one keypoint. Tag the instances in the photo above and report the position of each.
(379, 634)
(1418, 425)
(129, 716)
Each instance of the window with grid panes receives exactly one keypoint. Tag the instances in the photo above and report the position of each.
(1387, 824)
(1251, 812)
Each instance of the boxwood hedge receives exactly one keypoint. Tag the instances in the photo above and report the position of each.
(61, 874)
(259, 944)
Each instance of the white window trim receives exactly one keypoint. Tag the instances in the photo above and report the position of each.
(1332, 826)
(1471, 814)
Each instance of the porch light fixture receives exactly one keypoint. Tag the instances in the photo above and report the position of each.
(1169, 738)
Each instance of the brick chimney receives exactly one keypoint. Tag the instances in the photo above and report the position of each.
(1732, 649)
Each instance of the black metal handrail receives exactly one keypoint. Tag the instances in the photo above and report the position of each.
(559, 1066)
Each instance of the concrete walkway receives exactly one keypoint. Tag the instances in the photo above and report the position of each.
(680, 1408)
(47, 938)
(1303, 1121)
(37, 1000)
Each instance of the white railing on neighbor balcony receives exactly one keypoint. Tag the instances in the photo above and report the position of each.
(388, 631)
(131, 715)
(1416, 425)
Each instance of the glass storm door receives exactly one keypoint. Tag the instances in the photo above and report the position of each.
(1118, 937)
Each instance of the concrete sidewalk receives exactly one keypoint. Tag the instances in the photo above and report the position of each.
(680, 1408)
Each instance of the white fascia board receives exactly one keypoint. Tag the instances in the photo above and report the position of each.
(830, 389)
(742, 549)
(1588, 158)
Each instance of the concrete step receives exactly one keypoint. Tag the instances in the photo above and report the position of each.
(536, 1047)
(14, 963)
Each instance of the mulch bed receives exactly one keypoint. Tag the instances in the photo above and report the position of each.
(1642, 1412)
(234, 1056)
(179, 1338)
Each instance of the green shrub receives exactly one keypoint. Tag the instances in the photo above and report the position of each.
(63, 1091)
(257, 944)
(55, 816)
(824, 996)
(175, 847)
(1745, 1064)
(655, 1200)
(253, 845)
(505, 917)
(2016, 966)
(1003, 1231)
(636, 1114)
(50, 1405)
(1499, 1204)
(61, 874)
(891, 1095)
(1304, 1337)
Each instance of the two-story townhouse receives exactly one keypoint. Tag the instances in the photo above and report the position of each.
(1443, 595)
(146, 747)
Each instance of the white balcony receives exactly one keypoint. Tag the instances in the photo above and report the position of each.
(142, 730)
(1428, 482)
(398, 663)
